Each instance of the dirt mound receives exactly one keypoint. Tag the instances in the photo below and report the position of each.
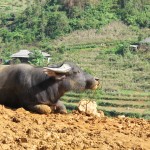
(21, 129)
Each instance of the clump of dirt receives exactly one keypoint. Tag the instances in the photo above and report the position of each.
(21, 129)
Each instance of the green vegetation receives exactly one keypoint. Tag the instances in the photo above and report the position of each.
(124, 78)
(26, 22)
(37, 59)
(96, 35)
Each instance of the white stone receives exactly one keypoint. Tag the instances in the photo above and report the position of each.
(88, 106)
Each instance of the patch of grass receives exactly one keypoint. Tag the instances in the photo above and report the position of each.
(134, 93)
(133, 115)
(13, 6)
(125, 109)
(124, 80)
(101, 103)
(122, 102)
(115, 31)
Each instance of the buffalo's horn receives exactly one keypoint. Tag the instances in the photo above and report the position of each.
(65, 68)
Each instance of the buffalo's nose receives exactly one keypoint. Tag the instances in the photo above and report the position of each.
(98, 81)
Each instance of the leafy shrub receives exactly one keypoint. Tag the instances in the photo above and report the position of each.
(122, 48)
(56, 18)
(57, 24)
(135, 12)
(37, 59)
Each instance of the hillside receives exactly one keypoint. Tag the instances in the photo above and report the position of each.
(124, 87)
(22, 130)
(94, 34)
(38, 20)
(124, 79)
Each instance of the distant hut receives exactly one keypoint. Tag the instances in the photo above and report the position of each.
(144, 45)
(134, 47)
(24, 55)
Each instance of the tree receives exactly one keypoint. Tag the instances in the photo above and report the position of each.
(57, 24)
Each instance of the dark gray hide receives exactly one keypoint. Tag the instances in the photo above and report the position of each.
(26, 86)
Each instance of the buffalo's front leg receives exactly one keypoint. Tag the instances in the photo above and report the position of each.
(59, 107)
(40, 108)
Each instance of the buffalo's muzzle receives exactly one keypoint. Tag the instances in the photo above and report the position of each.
(96, 85)
(97, 81)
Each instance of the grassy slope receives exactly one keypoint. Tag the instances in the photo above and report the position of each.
(112, 32)
(125, 88)
(119, 90)
(14, 6)
(118, 86)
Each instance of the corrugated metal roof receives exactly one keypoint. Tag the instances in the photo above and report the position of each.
(25, 54)
(21, 54)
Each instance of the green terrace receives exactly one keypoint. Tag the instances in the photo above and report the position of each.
(13, 6)
(125, 82)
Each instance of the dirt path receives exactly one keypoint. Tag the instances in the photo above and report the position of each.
(21, 130)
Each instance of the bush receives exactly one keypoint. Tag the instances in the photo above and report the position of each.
(56, 18)
(122, 49)
(135, 12)
(37, 59)
(57, 24)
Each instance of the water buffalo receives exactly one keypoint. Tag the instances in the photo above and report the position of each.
(39, 89)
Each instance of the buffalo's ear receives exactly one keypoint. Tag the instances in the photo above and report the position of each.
(58, 72)
(49, 72)
(54, 74)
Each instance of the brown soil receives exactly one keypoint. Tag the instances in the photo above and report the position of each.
(21, 129)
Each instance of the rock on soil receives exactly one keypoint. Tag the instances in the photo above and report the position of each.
(23, 130)
(89, 107)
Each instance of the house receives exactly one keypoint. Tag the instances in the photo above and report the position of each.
(24, 55)
(144, 45)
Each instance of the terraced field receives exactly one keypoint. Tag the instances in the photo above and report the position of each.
(15, 6)
(125, 82)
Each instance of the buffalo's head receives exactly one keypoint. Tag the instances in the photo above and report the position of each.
(72, 77)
